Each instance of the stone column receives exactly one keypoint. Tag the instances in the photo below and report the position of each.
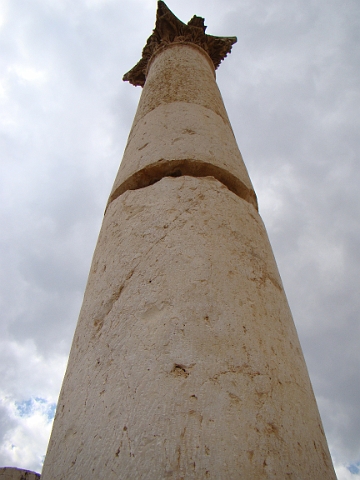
(185, 361)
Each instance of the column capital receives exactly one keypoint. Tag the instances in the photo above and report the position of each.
(169, 29)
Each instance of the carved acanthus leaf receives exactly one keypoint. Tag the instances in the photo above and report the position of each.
(169, 29)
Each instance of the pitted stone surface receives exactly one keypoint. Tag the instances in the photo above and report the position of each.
(181, 118)
(181, 132)
(181, 73)
(185, 361)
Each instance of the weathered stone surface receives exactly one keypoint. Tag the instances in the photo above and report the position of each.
(12, 473)
(185, 361)
(181, 73)
(181, 127)
(182, 139)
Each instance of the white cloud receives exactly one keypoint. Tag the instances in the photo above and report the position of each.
(26, 373)
(28, 396)
(29, 73)
(347, 472)
(24, 444)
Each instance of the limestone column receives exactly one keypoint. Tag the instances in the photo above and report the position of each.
(185, 362)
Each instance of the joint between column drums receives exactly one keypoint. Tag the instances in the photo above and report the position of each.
(177, 168)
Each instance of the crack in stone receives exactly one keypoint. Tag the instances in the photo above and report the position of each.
(107, 307)
(99, 322)
(176, 168)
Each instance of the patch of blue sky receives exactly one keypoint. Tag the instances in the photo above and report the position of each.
(25, 408)
(28, 407)
(354, 468)
(51, 411)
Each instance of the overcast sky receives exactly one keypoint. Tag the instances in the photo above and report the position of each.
(291, 89)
